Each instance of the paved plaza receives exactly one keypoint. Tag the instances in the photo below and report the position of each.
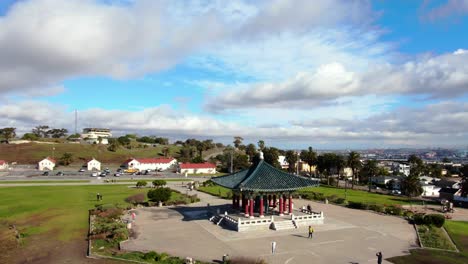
(347, 236)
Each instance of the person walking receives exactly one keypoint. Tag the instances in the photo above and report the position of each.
(379, 257)
(98, 196)
(311, 231)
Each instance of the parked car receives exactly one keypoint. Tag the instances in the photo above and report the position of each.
(117, 174)
(396, 192)
(60, 173)
(94, 174)
(46, 173)
(106, 170)
(119, 170)
(82, 170)
(103, 174)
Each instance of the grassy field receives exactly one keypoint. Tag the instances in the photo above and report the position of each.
(30, 153)
(60, 210)
(458, 231)
(352, 195)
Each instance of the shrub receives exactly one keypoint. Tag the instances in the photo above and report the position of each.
(319, 196)
(340, 201)
(408, 214)
(394, 210)
(159, 183)
(357, 205)
(140, 184)
(160, 194)
(377, 208)
(434, 219)
(418, 219)
(332, 198)
(150, 255)
(136, 198)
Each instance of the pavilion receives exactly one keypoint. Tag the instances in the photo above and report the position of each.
(263, 188)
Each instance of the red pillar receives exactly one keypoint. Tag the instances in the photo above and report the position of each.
(281, 205)
(238, 201)
(290, 204)
(233, 201)
(251, 207)
(284, 204)
(246, 206)
(261, 206)
(274, 200)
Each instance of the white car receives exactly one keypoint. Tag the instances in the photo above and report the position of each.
(117, 174)
(396, 192)
(95, 174)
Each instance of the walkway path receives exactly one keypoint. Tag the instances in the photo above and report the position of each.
(348, 236)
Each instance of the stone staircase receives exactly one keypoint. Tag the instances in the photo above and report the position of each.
(284, 225)
(216, 219)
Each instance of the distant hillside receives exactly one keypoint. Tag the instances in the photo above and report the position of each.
(30, 153)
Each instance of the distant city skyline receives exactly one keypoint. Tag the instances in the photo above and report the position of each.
(331, 74)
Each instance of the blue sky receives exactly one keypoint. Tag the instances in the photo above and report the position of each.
(328, 73)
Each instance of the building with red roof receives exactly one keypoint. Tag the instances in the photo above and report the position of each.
(46, 164)
(197, 168)
(157, 164)
(92, 164)
(3, 165)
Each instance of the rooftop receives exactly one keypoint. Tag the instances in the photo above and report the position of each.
(263, 177)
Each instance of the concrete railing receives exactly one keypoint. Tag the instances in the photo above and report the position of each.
(257, 223)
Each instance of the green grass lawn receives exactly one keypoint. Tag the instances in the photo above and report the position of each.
(458, 231)
(206, 175)
(44, 181)
(215, 190)
(60, 210)
(434, 237)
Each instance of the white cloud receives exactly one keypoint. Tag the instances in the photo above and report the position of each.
(445, 123)
(44, 42)
(443, 76)
(451, 9)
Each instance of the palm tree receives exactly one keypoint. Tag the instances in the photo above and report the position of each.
(464, 183)
(340, 163)
(291, 158)
(261, 144)
(310, 157)
(237, 141)
(371, 169)
(411, 186)
(355, 164)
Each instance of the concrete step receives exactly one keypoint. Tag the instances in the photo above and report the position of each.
(283, 225)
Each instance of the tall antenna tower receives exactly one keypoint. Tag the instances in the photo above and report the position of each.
(76, 120)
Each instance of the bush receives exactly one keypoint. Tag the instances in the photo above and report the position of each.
(160, 194)
(340, 201)
(408, 214)
(140, 184)
(434, 219)
(394, 210)
(136, 198)
(418, 219)
(319, 196)
(377, 208)
(358, 205)
(159, 183)
(150, 255)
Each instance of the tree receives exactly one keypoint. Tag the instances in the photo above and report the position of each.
(166, 151)
(159, 194)
(237, 141)
(411, 186)
(57, 132)
(325, 163)
(40, 131)
(464, 182)
(8, 133)
(446, 160)
(73, 136)
(340, 164)
(66, 159)
(309, 156)
(30, 136)
(370, 170)
(198, 159)
(124, 140)
(355, 164)
(261, 144)
(113, 144)
(159, 183)
(251, 151)
(291, 158)
(270, 155)
(140, 184)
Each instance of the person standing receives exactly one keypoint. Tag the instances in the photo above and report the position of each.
(379, 257)
(273, 247)
(98, 196)
(311, 231)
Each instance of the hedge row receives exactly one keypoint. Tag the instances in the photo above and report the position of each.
(437, 220)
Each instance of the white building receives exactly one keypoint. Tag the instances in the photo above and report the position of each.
(197, 168)
(430, 190)
(282, 161)
(46, 164)
(402, 168)
(3, 165)
(96, 135)
(151, 164)
(92, 165)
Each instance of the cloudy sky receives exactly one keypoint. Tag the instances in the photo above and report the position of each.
(325, 73)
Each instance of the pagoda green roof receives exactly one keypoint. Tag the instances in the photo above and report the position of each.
(263, 177)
